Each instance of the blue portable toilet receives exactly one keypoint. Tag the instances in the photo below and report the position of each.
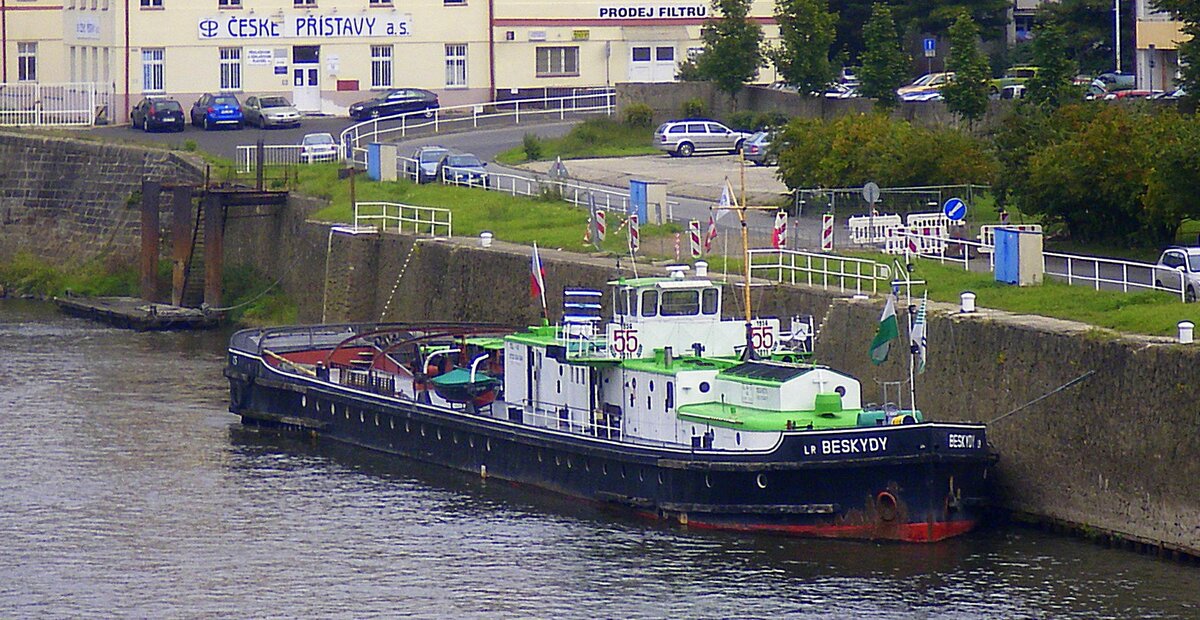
(637, 199)
(373, 157)
(1019, 257)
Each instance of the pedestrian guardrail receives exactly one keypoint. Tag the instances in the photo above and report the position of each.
(37, 104)
(402, 218)
(584, 101)
(854, 275)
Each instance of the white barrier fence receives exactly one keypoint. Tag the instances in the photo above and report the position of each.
(402, 218)
(919, 240)
(355, 137)
(853, 275)
(75, 104)
(278, 155)
(871, 229)
(987, 232)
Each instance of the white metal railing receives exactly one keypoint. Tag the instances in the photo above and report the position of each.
(66, 104)
(277, 155)
(531, 184)
(827, 271)
(355, 137)
(402, 218)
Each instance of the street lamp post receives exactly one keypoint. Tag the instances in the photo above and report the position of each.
(1117, 37)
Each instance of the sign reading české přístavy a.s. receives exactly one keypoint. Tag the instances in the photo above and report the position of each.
(295, 26)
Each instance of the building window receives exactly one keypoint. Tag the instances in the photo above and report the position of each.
(231, 68)
(152, 69)
(557, 61)
(27, 61)
(381, 66)
(236, 4)
(454, 2)
(456, 64)
(381, 3)
(151, 4)
(305, 3)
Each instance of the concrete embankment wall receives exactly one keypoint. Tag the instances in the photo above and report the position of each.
(1118, 453)
(65, 200)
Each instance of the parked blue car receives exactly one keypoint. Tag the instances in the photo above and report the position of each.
(217, 110)
(463, 169)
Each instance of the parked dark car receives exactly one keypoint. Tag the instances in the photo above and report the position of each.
(399, 101)
(463, 169)
(267, 112)
(154, 113)
(216, 110)
(426, 160)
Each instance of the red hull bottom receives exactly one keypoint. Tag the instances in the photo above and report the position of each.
(905, 532)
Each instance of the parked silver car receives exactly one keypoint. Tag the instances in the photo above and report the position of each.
(269, 112)
(1179, 269)
(757, 149)
(683, 137)
(426, 160)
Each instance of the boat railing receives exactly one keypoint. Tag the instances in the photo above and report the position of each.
(564, 418)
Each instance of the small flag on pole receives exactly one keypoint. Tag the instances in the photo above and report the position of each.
(917, 336)
(537, 278)
(779, 233)
(888, 331)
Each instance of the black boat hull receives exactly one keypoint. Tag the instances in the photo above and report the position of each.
(899, 483)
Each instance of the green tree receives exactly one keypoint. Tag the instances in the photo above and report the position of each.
(732, 47)
(1088, 31)
(806, 31)
(1188, 12)
(967, 94)
(1052, 86)
(940, 15)
(884, 63)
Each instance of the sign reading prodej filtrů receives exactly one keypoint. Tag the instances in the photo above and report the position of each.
(654, 11)
(304, 26)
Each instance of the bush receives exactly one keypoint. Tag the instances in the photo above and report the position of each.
(743, 120)
(639, 115)
(533, 147)
(694, 108)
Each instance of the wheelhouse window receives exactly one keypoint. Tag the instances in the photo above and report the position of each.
(557, 61)
(27, 61)
(456, 64)
(231, 68)
(381, 66)
(152, 69)
(680, 303)
(709, 301)
(650, 303)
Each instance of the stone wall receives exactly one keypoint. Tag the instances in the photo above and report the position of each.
(65, 201)
(667, 101)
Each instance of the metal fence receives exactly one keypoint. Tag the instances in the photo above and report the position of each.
(847, 201)
(274, 155)
(38, 104)
(853, 275)
(583, 101)
(402, 218)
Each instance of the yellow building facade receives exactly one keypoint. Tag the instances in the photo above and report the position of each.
(326, 55)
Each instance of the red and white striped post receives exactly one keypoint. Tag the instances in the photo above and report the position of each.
(827, 232)
(635, 234)
(601, 227)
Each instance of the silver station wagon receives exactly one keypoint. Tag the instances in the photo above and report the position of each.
(683, 137)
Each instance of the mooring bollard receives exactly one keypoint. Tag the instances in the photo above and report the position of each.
(968, 301)
(701, 269)
(1185, 332)
(485, 239)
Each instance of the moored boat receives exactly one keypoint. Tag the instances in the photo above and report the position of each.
(666, 409)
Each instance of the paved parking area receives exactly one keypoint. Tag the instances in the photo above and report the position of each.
(698, 177)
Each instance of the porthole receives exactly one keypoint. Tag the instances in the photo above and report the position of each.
(587, 465)
(708, 481)
(361, 417)
(488, 445)
(761, 481)
(392, 424)
(604, 468)
(407, 429)
(641, 475)
(439, 434)
(704, 387)
(304, 400)
(540, 456)
(652, 385)
(422, 430)
(454, 438)
(568, 462)
(622, 472)
(660, 478)
(840, 390)
(471, 441)
(377, 419)
(737, 437)
(346, 412)
(557, 461)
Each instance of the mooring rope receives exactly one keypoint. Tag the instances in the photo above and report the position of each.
(1046, 395)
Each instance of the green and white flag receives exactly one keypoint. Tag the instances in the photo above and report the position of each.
(888, 331)
(917, 336)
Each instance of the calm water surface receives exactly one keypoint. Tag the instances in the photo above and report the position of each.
(128, 490)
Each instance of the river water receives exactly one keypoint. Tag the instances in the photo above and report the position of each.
(128, 490)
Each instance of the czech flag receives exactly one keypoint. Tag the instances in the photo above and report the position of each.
(537, 278)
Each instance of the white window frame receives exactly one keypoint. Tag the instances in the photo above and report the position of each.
(557, 61)
(304, 3)
(154, 69)
(231, 68)
(381, 66)
(151, 4)
(27, 61)
(456, 65)
(229, 4)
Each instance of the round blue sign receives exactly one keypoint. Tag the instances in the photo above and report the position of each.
(955, 209)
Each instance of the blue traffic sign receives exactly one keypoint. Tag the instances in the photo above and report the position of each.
(930, 44)
(955, 209)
